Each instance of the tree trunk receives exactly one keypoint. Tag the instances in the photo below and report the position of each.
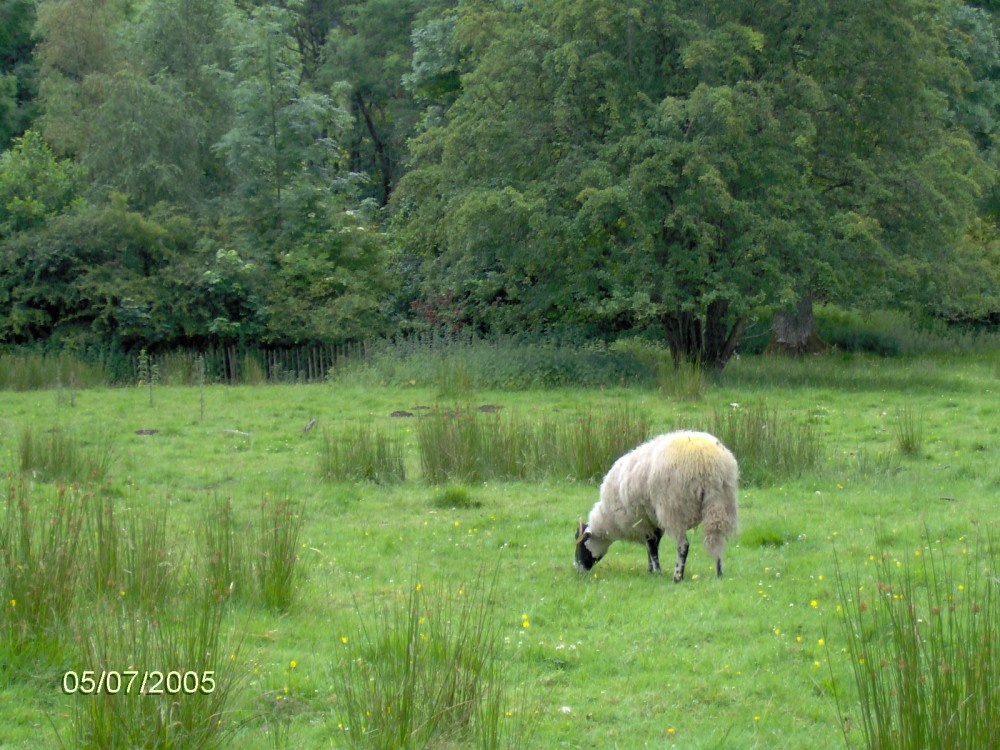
(709, 342)
(794, 332)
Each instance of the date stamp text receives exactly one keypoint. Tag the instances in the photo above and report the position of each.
(141, 682)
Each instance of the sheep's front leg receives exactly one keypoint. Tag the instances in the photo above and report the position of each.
(653, 548)
(682, 554)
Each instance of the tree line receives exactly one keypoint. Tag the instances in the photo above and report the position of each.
(178, 173)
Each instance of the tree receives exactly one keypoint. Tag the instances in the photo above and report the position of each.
(370, 50)
(76, 41)
(628, 164)
(295, 208)
(18, 71)
(34, 185)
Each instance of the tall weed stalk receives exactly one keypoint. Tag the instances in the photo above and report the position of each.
(923, 643)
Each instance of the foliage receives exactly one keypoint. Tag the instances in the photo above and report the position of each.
(206, 172)
(18, 69)
(34, 184)
(370, 50)
(640, 163)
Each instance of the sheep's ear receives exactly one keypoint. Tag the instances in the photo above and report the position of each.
(581, 531)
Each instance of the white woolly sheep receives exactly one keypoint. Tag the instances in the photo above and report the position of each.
(669, 484)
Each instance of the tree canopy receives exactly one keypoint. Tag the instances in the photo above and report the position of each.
(189, 171)
(683, 164)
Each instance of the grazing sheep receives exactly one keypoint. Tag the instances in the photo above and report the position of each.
(668, 485)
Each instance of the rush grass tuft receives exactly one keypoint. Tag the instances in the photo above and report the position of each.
(922, 640)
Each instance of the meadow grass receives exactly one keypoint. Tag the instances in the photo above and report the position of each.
(616, 658)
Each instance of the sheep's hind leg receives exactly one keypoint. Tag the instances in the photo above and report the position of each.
(653, 548)
(682, 554)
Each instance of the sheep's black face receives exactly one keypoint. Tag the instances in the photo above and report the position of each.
(585, 558)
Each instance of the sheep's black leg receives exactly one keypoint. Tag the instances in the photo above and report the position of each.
(682, 554)
(653, 548)
(718, 567)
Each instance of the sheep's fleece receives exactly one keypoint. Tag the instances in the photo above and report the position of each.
(673, 482)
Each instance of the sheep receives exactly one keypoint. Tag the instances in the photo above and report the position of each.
(667, 485)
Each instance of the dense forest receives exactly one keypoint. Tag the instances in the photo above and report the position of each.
(185, 173)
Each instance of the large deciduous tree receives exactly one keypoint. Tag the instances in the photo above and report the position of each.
(681, 164)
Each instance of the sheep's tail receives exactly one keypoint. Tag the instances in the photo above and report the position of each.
(720, 519)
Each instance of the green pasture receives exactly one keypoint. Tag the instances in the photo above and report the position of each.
(907, 470)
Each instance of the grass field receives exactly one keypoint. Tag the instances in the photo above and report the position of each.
(908, 469)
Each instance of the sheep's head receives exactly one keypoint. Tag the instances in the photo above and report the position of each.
(589, 550)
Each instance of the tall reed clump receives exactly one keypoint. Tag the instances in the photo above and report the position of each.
(768, 446)
(586, 446)
(361, 453)
(682, 380)
(40, 566)
(907, 427)
(276, 563)
(923, 643)
(163, 681)
(462, 444)
(130, 556)
(32, 371)
(58, 455)
(228, 569)
(257, 562)
(430, 672)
